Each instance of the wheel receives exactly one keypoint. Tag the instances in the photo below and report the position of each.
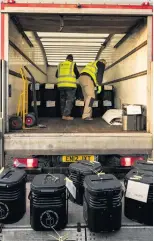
(31, 113)
(15, 122)
(30, 120)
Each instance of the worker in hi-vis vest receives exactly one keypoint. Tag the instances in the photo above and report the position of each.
(91, 77)
(67, 74)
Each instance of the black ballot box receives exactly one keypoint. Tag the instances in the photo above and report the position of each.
(102, 206)
(48, 202)
(138, 201)
(12, 195)
(78, 171)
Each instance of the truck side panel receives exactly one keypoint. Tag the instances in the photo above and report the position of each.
(131, 90)
(17, 60)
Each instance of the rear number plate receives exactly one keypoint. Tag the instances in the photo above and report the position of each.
(78, 158)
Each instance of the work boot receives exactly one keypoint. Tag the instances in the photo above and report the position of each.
(68, 118)
(88, 119)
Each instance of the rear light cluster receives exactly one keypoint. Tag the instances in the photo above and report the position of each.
(129, 161)
(146, 3)
(8, 1)
(25, 162)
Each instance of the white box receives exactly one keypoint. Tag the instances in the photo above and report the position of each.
(137, 191)
(49, 86)
(95, 104)
(38, 103)
(133, 109)
(108, 87)
(107, 103)
(50, 103)
(37, 87)
(79, 103)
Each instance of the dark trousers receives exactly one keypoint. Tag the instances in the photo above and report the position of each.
(67, 97)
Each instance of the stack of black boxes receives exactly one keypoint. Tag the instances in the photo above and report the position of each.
(99, 193)
(48, 101)
(78, 171)
(38, 91)
(103, 102)
(79, 103)
(133, 117)
(106, 98)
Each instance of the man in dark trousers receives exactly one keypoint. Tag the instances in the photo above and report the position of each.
(67, 74)
(91, 76)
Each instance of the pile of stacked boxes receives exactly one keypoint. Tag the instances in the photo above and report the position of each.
(48, 101)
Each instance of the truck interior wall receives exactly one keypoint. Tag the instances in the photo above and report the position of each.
(131, 91)
(16, 61)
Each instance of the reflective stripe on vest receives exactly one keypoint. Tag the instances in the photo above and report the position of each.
(66, 75)
(91, 69)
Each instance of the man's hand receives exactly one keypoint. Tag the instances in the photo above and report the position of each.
(99, 89)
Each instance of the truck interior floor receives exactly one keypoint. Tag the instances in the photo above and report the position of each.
(57, 125)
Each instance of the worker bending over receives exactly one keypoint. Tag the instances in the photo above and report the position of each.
(67, 74)
(91, 76)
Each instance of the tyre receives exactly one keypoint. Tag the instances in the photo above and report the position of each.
(30, 120)
(31, 113)
(15, 122)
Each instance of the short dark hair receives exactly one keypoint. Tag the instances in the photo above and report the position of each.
(69, 57)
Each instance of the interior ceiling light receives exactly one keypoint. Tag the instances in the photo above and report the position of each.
(72, 40)
(71, 44)
(71, 35)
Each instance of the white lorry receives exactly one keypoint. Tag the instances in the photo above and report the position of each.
(39, 34)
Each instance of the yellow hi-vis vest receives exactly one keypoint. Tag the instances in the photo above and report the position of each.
(66, 75)
(91, 69)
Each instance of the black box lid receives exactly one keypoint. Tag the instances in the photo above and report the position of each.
(144, 165)
(85, 167)
(95, 183)
(142, 176)
(11, 177)
(48, 182)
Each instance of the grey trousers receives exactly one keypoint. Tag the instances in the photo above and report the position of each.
(67, 97)
(88, 90)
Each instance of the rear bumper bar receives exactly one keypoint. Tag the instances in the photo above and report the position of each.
(77, 143)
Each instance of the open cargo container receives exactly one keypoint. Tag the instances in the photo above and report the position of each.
(121, 34)
(130, 73)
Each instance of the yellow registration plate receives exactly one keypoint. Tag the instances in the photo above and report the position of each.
(78, 158)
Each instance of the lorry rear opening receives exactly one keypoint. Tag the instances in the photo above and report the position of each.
(41, 41)
(55, 36)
